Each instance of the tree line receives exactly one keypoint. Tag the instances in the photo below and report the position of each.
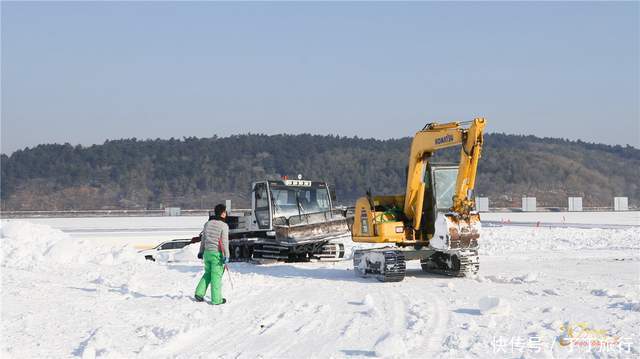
(199, 172)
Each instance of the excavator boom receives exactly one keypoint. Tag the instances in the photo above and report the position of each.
(436, 137)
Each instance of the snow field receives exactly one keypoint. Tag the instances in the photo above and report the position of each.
(72, 297)
(623, 218)
(505, 240)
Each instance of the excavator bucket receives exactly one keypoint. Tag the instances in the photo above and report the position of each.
(456, 245)
(311, 227)
(463, 232)
(454, 232)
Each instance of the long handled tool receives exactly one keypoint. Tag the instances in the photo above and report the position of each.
(226, 267)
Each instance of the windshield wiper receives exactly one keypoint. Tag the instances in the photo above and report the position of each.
(274, 203)
(300, 208)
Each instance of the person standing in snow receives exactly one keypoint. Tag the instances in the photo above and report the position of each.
(214, 250)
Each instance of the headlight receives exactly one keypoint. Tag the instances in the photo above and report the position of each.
(399, 229)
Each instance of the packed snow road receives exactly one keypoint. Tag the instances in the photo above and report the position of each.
(65, 296)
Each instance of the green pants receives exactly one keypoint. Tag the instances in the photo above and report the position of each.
(213, 269)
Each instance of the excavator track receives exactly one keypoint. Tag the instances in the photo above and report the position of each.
(387, 265)
(456, 264)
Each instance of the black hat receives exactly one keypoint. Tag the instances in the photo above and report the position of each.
(217, 211)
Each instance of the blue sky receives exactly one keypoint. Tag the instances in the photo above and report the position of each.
(85, 72)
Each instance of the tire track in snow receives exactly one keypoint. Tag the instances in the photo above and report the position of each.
(273, 328)
(210, 336)
(439, 317)
(428, 325)
(396, 315)
(385, 323)
(179, 344)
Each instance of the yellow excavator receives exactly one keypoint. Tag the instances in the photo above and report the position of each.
(434, 221)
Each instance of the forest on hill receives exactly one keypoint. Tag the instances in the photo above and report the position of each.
(199, 172)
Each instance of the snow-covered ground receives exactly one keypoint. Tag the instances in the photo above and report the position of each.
(141, 232)
(86, 292)
(581, 219)
(145, 232)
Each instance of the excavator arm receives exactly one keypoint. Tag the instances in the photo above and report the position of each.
(470, 153)
(435, 137)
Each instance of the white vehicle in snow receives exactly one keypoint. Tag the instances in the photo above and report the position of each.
(165, 249)
(291, 220)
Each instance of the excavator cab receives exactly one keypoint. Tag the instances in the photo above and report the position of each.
(439, 182)
(381, 219)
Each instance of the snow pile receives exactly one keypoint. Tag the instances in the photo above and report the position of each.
(369, 304)
(70, 251)
(368, 301)
(504, 240)
(531, 277)
(24, 244)
(527, 278)
(494, 305)
(119, 255)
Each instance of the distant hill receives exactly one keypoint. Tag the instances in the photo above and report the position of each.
(199, 172)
